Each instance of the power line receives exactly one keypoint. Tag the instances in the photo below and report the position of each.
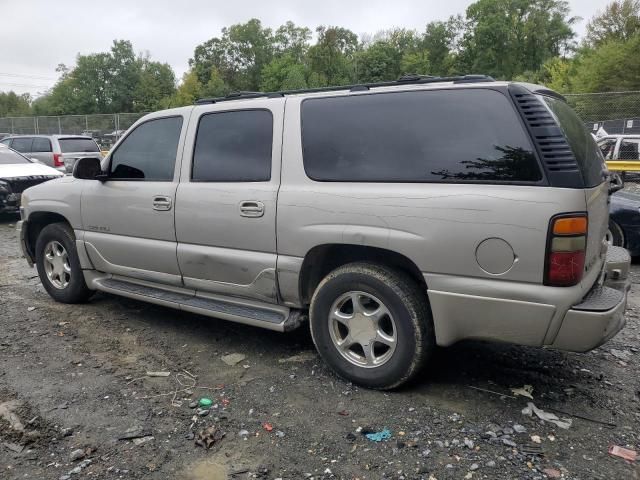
(19, 75)
(10, 84)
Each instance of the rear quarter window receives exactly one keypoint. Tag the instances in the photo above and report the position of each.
(584, 147)
(470, 135)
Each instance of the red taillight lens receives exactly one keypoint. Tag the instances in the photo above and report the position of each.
(565, 268)
(57, 160)
(566, 250)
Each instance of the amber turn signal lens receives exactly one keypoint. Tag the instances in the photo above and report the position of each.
(570, 226)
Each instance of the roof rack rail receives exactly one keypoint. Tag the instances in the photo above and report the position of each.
(403, 80)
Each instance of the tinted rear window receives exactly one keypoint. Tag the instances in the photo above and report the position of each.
(22, 144)
(68, 145)
(422, 136)
(584, 147)
(8, 157)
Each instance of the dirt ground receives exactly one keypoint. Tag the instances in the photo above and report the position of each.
(75, 378)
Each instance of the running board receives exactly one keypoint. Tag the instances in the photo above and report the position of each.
(272, 317)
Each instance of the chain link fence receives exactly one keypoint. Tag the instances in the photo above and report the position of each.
(106, 129)
(611, 113)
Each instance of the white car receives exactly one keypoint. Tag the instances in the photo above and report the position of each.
(17, 173)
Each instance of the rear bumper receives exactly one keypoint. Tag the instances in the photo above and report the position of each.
(600, 314)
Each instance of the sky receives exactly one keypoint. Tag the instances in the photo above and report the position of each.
(37, 35)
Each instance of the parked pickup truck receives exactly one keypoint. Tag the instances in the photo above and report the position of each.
(394, 217)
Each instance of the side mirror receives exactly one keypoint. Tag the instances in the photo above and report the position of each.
(88, 169)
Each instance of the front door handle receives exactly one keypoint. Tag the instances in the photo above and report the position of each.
(161, 203)
(251, 208)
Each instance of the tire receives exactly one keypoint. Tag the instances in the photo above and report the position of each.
(62, 277)
(406, 317)
(615, 235)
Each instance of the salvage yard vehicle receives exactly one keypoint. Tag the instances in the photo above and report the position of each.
(397, 216)
(18, 173)
(624, 221)
(58, 151)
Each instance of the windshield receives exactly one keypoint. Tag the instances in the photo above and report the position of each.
(8, 157)
(78, 145)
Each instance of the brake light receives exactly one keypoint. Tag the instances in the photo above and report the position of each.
(566, 248)
(57, 160)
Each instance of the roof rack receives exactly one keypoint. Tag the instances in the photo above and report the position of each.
(403, 80)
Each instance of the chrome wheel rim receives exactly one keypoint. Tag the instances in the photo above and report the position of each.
(362, 329)
(56, 264)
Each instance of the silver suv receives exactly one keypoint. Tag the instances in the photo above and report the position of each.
(58, 151)
(394, 217)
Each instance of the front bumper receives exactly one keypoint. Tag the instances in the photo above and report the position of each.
(600, 314)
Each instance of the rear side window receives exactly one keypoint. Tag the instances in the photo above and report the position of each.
(22, 145)
(41, 145)
(233, 147)
(629, 149)
(148, 152)
(422, 136)
(72, 145)
(588, 155)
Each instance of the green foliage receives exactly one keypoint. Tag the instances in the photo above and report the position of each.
(13, 105)
(505, 38)
(620, 21)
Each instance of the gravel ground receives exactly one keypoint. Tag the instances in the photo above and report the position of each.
(75, 378)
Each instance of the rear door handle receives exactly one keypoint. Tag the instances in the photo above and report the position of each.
(161, 203)
(251, 208)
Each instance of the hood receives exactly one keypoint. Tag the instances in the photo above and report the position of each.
(26, 170)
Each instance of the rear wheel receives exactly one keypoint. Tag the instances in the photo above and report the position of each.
(372, 325)
(58, 264)
(615, 235)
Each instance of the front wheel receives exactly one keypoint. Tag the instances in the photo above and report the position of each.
(372, 325)
(58, 264)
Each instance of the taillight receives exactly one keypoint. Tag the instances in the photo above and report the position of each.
(57, 160)
(566, 247)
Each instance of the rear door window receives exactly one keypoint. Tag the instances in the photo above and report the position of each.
(41, 145)
(584, 147)
(233, 147)
(629, 149)
(75, 145)
(460, 135)
(22, 144)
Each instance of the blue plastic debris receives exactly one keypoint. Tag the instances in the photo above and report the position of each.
(379, 436)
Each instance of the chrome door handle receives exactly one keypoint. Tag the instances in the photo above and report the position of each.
(251, 208)
(162, 203)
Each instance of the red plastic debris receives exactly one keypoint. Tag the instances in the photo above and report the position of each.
(226, 401)
(267, 426)
(621, 452)
(343, 413)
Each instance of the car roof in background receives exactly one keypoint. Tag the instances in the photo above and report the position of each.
(56, 136)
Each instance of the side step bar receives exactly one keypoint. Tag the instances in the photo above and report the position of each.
(272, 317)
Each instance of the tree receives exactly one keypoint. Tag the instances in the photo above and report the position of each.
(156, 82)
(620, 21)
(505, 38)
(14, 105)
(613, 66)
(437, 44)
(331, 57)
(292, 41)
(284, 73)
(379, 62)
(239, 55)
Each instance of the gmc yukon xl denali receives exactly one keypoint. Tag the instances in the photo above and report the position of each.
(394, 217)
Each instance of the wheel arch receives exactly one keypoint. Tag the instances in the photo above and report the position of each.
(322, 259)
(37, 221)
